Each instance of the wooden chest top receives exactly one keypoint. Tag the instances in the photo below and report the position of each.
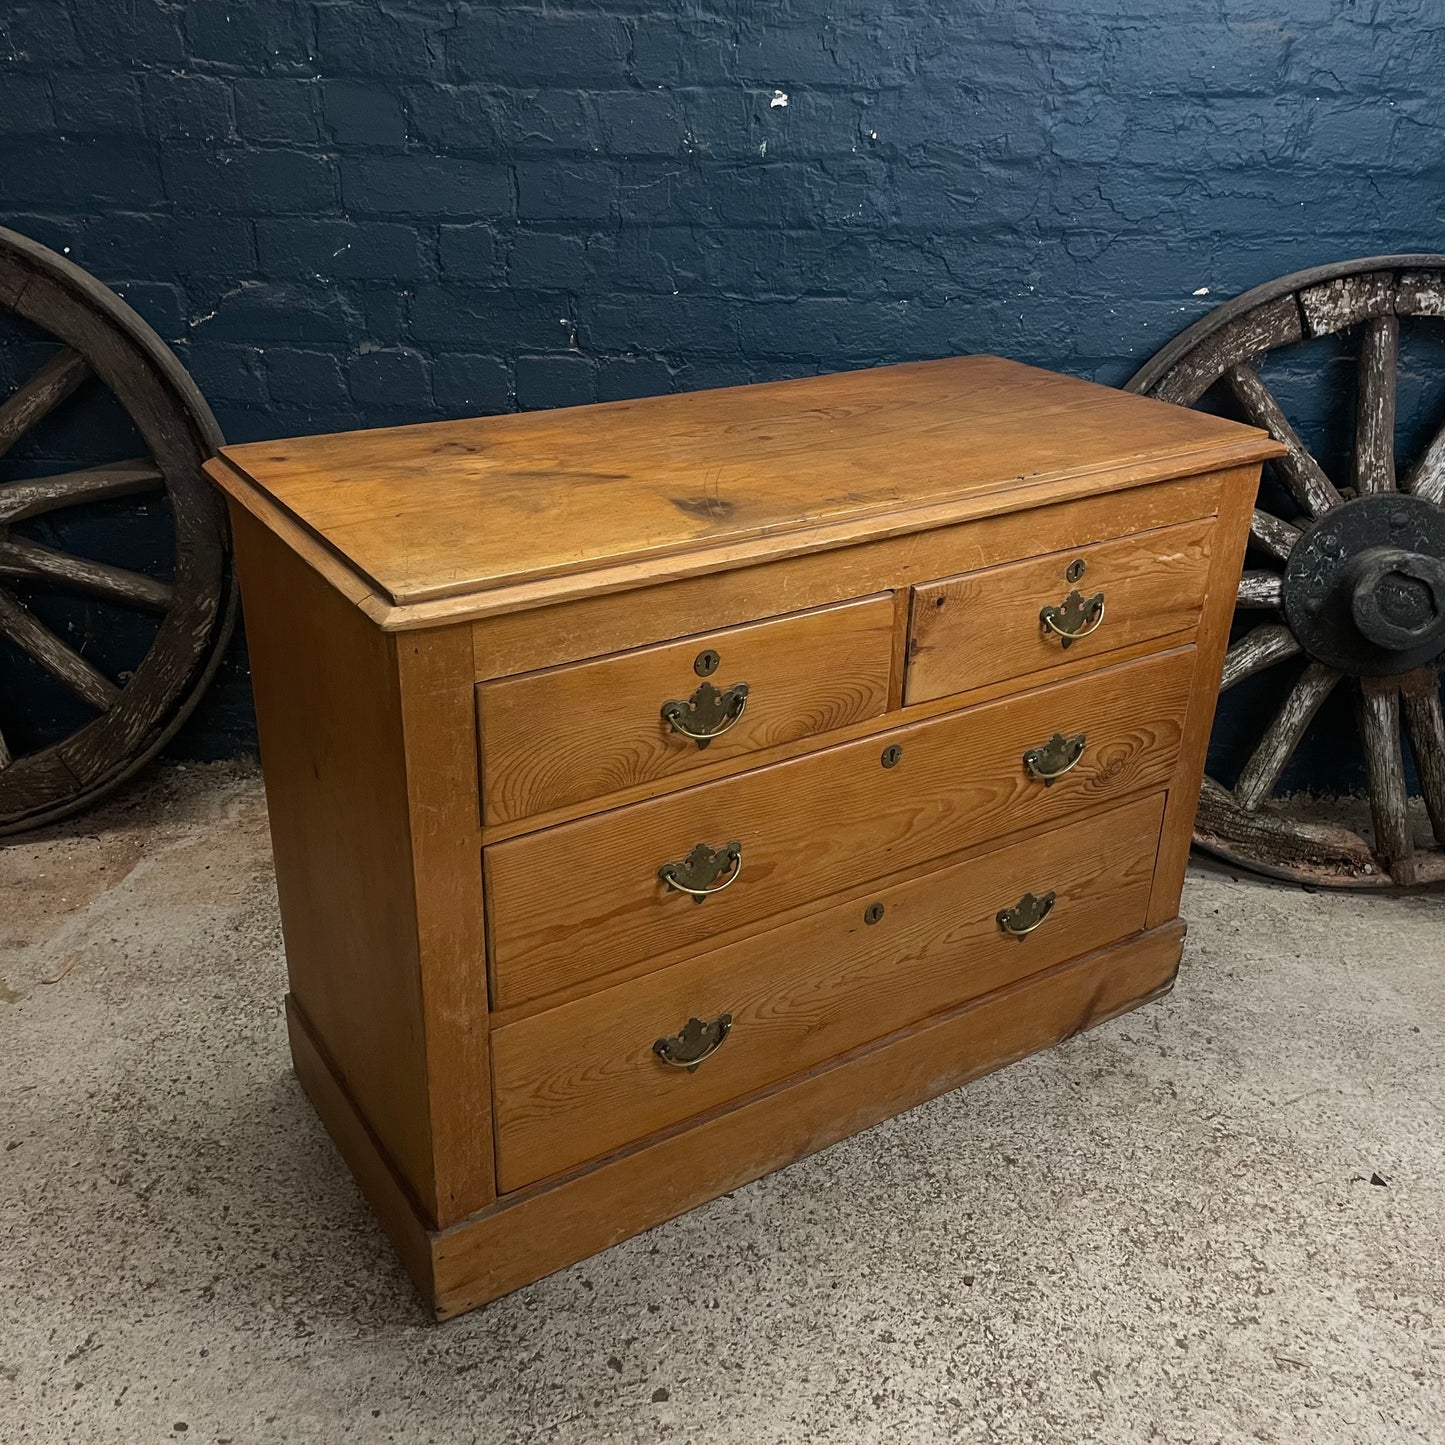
(485, 511)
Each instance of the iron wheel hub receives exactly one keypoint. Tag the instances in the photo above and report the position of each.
(1364, 589)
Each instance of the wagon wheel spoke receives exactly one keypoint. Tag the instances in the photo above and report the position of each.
(1261, 589)
(1266, 645)
(40, 394)
(1379, 714)
(1375, 405)
(19, 500)
(33, 562)
(59, 659)
(1301, 473)
(1428, 478)
(1426, 725)
(1283, 735)
(1277, 537)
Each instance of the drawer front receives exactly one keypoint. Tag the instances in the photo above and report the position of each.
(988, 626)
(572, 733)
(577, 902)
(578, 1081)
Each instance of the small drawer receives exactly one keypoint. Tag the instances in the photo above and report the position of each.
(1010, 621)
(578, 1081)
(582, 731)
(585, 899)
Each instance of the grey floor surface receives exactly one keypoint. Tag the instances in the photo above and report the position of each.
(1163, 1231)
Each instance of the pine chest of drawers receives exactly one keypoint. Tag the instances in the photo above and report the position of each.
(664, 790)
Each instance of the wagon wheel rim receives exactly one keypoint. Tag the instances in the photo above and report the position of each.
(1335, 593)
(98, 336)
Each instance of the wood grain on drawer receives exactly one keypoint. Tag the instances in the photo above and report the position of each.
(986, 626)
(582, 900)
(578, 1081)
(579, 732)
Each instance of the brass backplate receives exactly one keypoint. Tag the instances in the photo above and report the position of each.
(707, 712)
(697, 1039)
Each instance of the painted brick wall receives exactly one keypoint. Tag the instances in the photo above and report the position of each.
(357, 212)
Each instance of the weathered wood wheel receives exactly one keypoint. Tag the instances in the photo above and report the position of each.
(77, 340)
(1346, 578)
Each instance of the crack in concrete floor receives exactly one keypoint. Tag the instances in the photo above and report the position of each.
(1162, 1231)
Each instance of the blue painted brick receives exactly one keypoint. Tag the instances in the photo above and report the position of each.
(479, 318)
(90, 104)
(160, 303)
(277, 109)
(362, 115)
(365, 40)
(461, 118)
(338, 250)
(249, 180)
(121, 245)
(304, 376)
(207, 246)
(418, 185)
(522, 46)
(542, 121)
(467, 384)
(261, 312)
(566, 190)
(545, 381)
(384, 313)
(470, 253)
(25, 106)
(641, 122)
(60, 233)
(621, 378)
(390, 378)
(248, 37)
(544, 261)
(80, 174)
(189, 107)
(228, 373)
(138, 32)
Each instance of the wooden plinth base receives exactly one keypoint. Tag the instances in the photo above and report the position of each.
(527, 1235)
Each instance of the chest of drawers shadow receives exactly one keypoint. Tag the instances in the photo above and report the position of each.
(661, 791)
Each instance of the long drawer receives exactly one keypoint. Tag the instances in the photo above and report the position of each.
(577, 902)
(578, 1081)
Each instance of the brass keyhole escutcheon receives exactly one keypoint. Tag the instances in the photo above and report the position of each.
(891, 755)
(873, 913)
(706, 662)
(1075, 570)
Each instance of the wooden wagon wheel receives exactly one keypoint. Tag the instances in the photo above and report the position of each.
(95, 341)
(1349, 583)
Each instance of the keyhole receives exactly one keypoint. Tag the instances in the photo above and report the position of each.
(706, 662)
(873, 913)
(1075, 569)
(891, 755)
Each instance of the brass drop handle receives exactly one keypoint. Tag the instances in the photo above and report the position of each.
(1056, 757)
(697, 1041)
(697, 873)
(1027, 914)
(1075, 617)
(708, 713)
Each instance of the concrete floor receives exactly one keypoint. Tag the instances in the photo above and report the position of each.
(1218, 1219)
